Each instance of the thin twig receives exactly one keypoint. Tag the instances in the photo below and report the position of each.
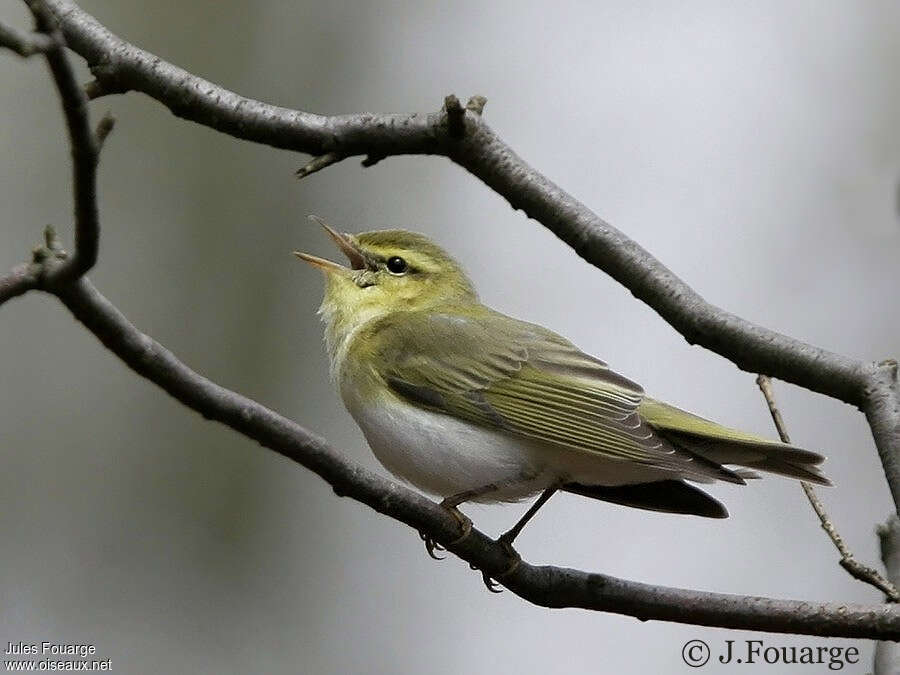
(476, 104)
(24, 44)
(104, 129)
(94, 89)
(318, 163)
(456, 115)
(85, 150)
(856, 569)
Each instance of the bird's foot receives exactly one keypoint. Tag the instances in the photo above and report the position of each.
(493, 582)
(431, 546)
(465, 529)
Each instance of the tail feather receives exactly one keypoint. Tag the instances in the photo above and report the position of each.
(721, 445)
(768, 456)
(807, 473)
(666, 496)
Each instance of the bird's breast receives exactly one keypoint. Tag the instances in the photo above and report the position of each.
(441, 454)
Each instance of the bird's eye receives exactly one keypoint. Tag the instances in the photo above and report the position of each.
(396, 265)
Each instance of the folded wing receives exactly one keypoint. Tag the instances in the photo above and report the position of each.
(501, 373)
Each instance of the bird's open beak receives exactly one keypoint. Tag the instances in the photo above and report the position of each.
(344, 242)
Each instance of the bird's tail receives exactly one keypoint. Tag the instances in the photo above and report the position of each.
(666, 496)
(722, 445)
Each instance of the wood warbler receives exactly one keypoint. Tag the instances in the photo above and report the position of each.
(472, 405)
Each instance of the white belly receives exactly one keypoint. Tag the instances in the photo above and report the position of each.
(445, 456)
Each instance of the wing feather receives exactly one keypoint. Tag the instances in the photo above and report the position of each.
(499, 372)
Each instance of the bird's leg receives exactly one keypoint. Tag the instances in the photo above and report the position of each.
(507, 538)
(451, 504)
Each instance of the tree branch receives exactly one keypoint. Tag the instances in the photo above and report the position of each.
(882, 409)
(85, 149)
(887, 654)
(24, 44)
(856, 569)
(20, 279)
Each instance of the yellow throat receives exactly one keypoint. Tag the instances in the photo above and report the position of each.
(390, 271)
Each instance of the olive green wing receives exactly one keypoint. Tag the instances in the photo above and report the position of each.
(498, 372)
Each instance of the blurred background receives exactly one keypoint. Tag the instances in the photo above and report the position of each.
(752, 148)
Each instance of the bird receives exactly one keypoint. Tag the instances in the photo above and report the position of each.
(471, 405)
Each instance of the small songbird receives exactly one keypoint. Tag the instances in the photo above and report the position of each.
(472, 405)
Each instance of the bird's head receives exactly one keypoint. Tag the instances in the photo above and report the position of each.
(389, 271)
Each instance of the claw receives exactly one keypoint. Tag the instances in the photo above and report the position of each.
(431, 546)
(493, 584)
(465, 527)
(490, 584)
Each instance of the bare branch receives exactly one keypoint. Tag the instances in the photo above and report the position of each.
(85, 150)
(20, 279)
(887, 654)
(104, 128)
(29, 276)
(24, 44)
(857, 570)
(882, 409)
